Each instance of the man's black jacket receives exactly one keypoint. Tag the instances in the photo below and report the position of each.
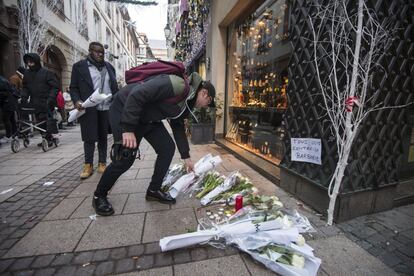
(148, 102)
(40, 84)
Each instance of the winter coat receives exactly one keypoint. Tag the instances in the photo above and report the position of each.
(40, 84)
(8, 102)
(81, 87)
(148, 102)
(17, 82)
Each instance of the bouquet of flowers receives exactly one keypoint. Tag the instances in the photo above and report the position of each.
(282, 251)
(205, 164)
(247, 225)
(242, 186)
(211, 180)
(227, 184)
(173, 174)
(93, 100)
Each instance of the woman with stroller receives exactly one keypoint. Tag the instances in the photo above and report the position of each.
(42, 86)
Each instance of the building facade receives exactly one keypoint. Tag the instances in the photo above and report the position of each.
(257, 56)
(73, 24)
(144, 53)
(9, 38)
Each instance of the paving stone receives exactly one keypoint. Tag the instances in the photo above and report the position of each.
(376, 239)
(118, 253)
(340, 256)
(256, 268)
(24, 273)
(8, 243)
(136, 203)
(390, 259)
(64, 209)
(118, 231)
(375, 251)
(50, 237)
(213, 252)
(152, 248)
(42, 261)
(130, 186)
(135, 250)
(158, 224)
(63, 259)
(22, 263)
(85, 270)
(145, 262)
(8, 230)
(402, 238)
(101, 255)
(230, 265)
(364, 244)
(198, 254)
(45, 272)
(4, 264)
(104, 268)
(181, 256)
(83, 258)
(19, 233)
(329, 230)
(67, 271)
(125, 265)
(163, 259)
(408, 249)
(406, 269)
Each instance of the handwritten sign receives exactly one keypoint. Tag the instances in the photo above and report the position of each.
(306, 150)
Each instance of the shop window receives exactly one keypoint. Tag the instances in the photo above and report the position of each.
(258, 57)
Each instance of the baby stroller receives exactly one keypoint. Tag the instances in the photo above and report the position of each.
(27, 121)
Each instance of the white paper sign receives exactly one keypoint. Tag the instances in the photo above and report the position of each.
(306, 150)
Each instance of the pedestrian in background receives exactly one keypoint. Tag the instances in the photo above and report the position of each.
(68, 106)
(89, 75)
(41, 86)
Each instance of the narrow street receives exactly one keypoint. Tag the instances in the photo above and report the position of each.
(47, 230)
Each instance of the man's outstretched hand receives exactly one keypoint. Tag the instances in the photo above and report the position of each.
(129, 140)
(189, 165)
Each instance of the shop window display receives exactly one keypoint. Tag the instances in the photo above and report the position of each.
(258, 57)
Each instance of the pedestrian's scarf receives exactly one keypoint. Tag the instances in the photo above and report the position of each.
(98, 65)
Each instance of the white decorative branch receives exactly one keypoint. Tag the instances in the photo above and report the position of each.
(351, 44)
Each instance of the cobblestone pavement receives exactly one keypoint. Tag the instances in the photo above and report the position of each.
(388, 236)
(47, 230)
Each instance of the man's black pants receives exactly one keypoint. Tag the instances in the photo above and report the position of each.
(159, 139)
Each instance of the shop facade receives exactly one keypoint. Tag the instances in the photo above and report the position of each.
(258, 53)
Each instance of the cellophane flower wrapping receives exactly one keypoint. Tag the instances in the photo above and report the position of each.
(243, 225)
(302, 261)
(227, 184)
(174, 173)
(93, 100)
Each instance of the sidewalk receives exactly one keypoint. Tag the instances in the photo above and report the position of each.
(46, 230)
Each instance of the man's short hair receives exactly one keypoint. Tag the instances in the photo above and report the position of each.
(94, 43)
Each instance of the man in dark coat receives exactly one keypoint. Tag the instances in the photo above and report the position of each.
(136, 113)
(42, 86)
(88, 75)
